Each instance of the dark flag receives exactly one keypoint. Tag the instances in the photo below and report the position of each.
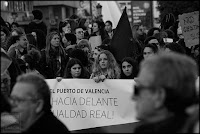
(5, 61)
(122, 42)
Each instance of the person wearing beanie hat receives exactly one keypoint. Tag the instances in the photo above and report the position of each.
(37, 22)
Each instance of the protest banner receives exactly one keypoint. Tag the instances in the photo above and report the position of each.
(190, 27)
(95, 41)
(83, 104)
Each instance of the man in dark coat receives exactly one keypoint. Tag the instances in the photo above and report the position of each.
(164, 90)
(30, 98)
(37, 22)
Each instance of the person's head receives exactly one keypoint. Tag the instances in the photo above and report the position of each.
(84, 44)
(149, 50)
(175, 47)
(160, 36)
(129, 68)
(137, 30)
(165, 85)
(106, 62)
(153, 31)
(30, 97)
(81, 55)
(32, 58)
(5, 83)
(64, 27)
(150, 40)
(74, 69)
(21, 40)
(96, 51)
(170, 34)
(37, 14)
(108, 26)
(87, 22)
(79, 33)
(17, 31)
(14, 25)
(69, 39)
(96, 26)
(4, 33)
(52, 40)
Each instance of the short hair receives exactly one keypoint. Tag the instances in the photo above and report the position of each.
(153, 46)
(151, 31)
(146, 41)
(108, 21)
(77, 28)
(83, 43)
(37, 14)
(170, 33)
(175, 47)
(40, 85)
(176, 74)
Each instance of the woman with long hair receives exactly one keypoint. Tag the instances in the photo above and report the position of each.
(75, 69)
(129, 68)
(105, 67)
(54, 57)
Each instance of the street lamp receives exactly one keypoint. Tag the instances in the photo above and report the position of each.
(99, 11)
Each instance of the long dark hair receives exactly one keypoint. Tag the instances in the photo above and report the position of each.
(72, 62)
(134, 71)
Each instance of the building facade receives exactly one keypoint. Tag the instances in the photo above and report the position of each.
(55, 11)
(17, 11)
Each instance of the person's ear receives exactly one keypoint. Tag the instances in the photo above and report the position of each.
(40, 105)
(160, 97)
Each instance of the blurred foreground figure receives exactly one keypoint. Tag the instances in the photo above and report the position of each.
(31, 99)
(164, 90)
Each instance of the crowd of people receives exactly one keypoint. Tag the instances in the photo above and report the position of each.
(164, 69)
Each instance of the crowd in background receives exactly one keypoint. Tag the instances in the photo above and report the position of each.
(65, 52)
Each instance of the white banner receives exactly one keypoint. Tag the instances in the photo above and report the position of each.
(83, 104)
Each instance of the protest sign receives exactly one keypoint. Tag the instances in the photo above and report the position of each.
(190, 27)
(82, 103)
(95, 41)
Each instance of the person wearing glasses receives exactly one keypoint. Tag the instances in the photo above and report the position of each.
(79, 34)
(164, 90)
(30, 98)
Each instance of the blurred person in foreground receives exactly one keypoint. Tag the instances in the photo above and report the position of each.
(164, 90)
(30, 98)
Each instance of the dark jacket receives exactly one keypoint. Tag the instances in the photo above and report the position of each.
(48, 123)
(173, 124)
(38, 25)
(49, 70)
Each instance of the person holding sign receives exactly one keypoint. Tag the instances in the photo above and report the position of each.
(75, 69)
(164, 90)
(105, 67)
